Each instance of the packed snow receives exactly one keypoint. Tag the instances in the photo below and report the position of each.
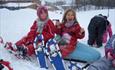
(16, 24)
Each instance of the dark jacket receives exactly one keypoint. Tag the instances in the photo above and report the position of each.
(98, 22)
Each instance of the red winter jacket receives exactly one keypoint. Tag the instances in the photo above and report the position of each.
(7, 64)
(48, 32)
(74, 32)
(107, 32)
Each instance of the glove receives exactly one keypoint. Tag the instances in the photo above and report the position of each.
(57, 38)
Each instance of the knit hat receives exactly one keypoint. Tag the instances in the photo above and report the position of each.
(40, 10)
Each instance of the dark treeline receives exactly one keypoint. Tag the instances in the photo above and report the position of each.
(98, 4)
(80, 5)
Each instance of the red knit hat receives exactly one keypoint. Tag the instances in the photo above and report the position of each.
(40, 9)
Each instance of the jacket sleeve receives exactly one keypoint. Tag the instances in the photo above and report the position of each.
(21, 41)
(30, 36)
(49, 30)
(77, 31)
(59, 28)
(32, 33)
(109, 30)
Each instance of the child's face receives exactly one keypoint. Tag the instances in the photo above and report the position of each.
(70, 16)
(43, 15)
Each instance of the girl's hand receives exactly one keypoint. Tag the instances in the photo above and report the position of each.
(113, 63)
(57, 24)
(109, 56)
(81, 31)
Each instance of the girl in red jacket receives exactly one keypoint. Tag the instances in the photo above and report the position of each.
(70, 31)
(42, 25)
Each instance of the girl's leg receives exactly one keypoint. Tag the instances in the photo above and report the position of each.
(85, 53)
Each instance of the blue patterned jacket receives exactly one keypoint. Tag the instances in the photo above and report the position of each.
(110, 46)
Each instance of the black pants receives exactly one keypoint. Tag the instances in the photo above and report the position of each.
(95, 38)
(96, 31)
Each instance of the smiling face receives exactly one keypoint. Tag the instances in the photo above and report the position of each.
(70, 16)
(43, 15)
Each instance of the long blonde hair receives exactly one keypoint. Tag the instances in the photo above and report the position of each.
(64, 20)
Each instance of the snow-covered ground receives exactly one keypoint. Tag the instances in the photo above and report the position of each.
(15, 24)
